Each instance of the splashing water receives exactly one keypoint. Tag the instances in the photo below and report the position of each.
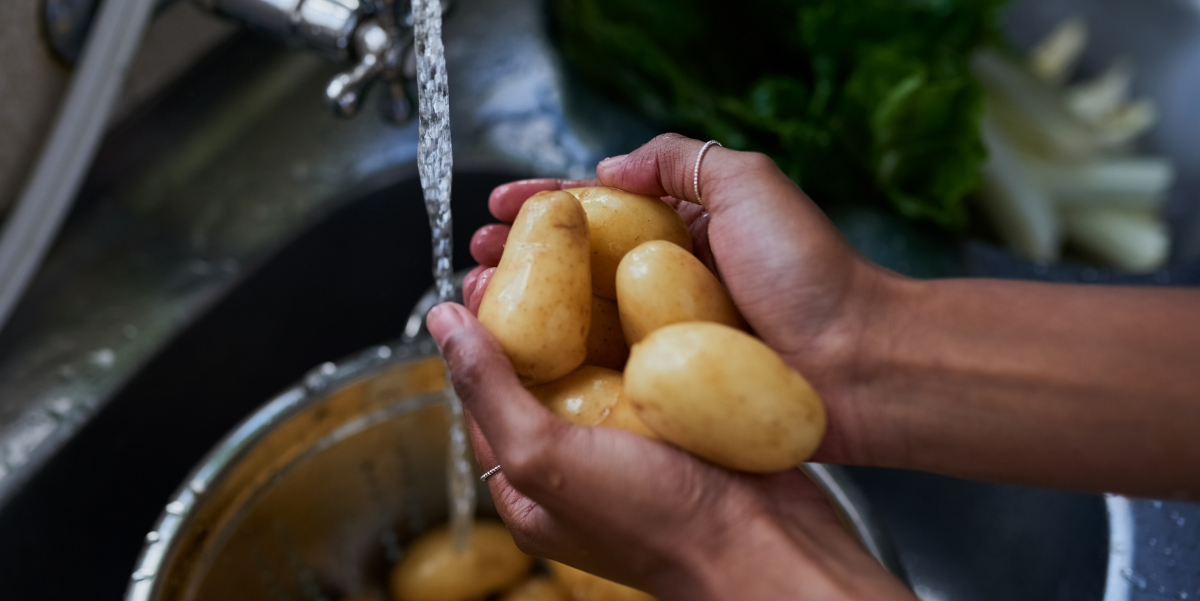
(434, 162)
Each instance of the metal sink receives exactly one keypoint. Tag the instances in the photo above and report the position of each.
(236, 236)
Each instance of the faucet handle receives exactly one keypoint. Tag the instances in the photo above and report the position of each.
(372, 44)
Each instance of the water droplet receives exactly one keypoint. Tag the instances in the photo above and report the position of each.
(318, 378)
(152, 537)
(130, 331)
(1183, 595)
(104, 357)
(383, 352)
(1157, 504)
(197, 486)
(1153, 541)
(1167, 551)
(139, 576)
(175, 508)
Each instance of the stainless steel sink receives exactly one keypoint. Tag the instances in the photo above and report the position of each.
(234, 235)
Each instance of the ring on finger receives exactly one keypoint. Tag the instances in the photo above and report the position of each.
(489, 474)
(696, 172)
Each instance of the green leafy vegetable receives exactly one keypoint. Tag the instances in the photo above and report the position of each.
(852, 98)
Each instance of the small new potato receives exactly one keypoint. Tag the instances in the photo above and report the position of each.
(723, 395)
(618, 222)
(583, 586)
(592, 396)
(538, 588)
(539, 301)
(606, 342)
(432, 570)
(583, 397)
(659, 283)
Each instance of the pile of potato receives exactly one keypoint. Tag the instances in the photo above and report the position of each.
(433, 570)
(588, 273)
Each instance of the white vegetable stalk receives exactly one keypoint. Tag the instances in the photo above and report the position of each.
(1020, 208)
(1130, 239)
(1059, 165)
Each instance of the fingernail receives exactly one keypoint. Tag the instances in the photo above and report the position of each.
(612, 162)
(442, 321)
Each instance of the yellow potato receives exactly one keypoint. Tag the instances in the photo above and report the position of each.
(538, 588)
(583, 586)
(432, 570)
(606, 343)
(539, 302)
(592, 396)
(584, 397)
(622, 416)
(619, 221)
(725, 396)
(659, 283)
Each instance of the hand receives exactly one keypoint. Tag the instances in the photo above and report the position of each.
(642, 512)
(802, 288)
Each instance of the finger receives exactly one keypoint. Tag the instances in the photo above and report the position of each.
(666, 166)
(469, 282)
(505, 201)
(516, 425)
(487, 245)
(481, 284)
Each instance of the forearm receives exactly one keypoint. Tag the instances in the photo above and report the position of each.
(1083, 387)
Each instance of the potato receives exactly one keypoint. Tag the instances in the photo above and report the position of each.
(538, 588)
(592, 396)
(539, 302)
(623, 416)
(583, 586)
(659, 283)
(432, 570)
(618, 222)
(584, 397)
(725, 396)
(606, 342)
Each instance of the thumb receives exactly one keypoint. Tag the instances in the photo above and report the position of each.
(515, 424)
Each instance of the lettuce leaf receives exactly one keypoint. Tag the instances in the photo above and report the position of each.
(853, 99)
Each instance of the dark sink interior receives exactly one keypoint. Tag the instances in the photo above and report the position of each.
(76, 528)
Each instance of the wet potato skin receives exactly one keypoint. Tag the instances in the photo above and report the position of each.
(583, 586)
(659, 283)
(591, 396)
(723, 395)
(538, 303)
(606, 345)
(538, 588)
(432, 570)
(619, 221)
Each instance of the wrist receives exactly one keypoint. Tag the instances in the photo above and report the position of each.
(878, 310)
(754, 560)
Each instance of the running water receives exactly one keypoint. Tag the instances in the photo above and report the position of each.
(434, 162)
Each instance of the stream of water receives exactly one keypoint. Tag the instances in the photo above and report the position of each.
(435, 161)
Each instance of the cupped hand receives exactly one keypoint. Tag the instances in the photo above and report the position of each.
(643, 512)
(801, 287)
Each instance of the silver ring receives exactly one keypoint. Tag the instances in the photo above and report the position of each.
(489, 474)
(696, 173)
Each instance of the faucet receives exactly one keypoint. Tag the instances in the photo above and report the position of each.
(376, 34)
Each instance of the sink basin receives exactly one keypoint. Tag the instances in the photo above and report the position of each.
(72, 527)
